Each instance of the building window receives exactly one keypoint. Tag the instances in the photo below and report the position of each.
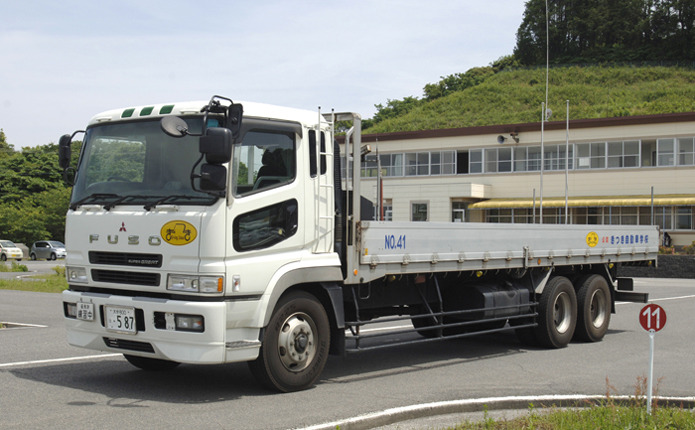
(686, 151)
(623, 154)
(443, 163)
(393, 163)
(499, 215)
(591, 155)
(417, 163)
(475, 163)
(491, 160)
(648, 152)
(461, 162)
(388, 210)
(533, 159)
(418, 211)
(665, 152)
(553, 215)
(369, 167)
(684, 218)
(458, 211)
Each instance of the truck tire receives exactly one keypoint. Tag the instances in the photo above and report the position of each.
(422, 323)
(557, 313)
(151, 364)
(295, 345)
(593, 309)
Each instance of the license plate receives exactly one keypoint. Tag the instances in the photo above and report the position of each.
(120, 319)
(85, 311)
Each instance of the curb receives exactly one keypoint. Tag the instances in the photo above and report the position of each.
(405, 413)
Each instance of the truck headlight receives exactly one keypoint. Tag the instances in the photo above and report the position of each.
(76, 275)
(189, 322)
(195, 284)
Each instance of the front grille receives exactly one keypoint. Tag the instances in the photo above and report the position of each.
(125, 259)
(128, 344)
(131, 278)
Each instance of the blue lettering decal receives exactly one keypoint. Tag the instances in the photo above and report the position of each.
(393, 242)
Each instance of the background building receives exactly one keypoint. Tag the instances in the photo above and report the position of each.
(628, 170)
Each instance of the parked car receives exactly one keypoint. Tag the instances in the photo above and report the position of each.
(9, 250)
(48, 249)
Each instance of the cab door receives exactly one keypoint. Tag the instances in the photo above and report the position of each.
(267, 202)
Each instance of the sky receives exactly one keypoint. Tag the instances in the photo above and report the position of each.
(62, 62)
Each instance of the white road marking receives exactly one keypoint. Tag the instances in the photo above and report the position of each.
(57, 360)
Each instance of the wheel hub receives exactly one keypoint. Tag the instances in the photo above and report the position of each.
(296, 346)
(598, 308)
(562, 313)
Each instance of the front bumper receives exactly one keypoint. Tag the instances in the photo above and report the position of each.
(226, 336)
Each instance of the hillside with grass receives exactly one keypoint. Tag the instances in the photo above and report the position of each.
(514, 95)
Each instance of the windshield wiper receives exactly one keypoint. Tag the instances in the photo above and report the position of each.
(92, 198)
(111, 205)
(172, 198)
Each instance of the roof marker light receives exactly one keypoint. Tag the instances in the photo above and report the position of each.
(146, 110)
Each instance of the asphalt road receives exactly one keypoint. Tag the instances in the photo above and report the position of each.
(35, 267)
(49, 384)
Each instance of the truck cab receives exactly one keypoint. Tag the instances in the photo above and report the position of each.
(188, 221)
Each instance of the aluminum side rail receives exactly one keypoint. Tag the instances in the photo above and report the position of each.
(392, 248)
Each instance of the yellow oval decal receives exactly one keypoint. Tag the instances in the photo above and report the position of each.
(592, 239)
(178, 233)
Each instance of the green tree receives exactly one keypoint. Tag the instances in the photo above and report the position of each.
(30, 171)
(33, 196)
(581, 31)
(5, 148)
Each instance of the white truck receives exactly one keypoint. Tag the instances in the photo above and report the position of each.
(217, 232)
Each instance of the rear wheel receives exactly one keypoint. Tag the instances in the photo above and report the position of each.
(152, 364)
(594, 309)
(295, 344)
(557, 313)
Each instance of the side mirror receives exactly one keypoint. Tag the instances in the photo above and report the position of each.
(213, 178)
(234, 115)
(64, 151)
(174, 126)
(216, 145)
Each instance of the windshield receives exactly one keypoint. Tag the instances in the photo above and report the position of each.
(136, 163)
(7, 244)
(56, 244)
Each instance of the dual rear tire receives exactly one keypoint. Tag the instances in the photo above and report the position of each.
(566, 313)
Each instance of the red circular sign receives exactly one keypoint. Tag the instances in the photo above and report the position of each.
(652, 317)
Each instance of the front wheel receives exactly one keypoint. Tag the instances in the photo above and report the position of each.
(594, 309)
(146, 363)
(557, 313)
(3, 257)
(295, 344)
(32, 256)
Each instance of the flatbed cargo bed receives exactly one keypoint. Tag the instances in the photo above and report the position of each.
(387, 248)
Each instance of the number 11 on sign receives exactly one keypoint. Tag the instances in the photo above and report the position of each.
(652, 318)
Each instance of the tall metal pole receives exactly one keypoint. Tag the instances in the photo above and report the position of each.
(544, 105)
(542, 161)
(567, 163)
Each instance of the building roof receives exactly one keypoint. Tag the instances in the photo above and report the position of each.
(532, 126)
